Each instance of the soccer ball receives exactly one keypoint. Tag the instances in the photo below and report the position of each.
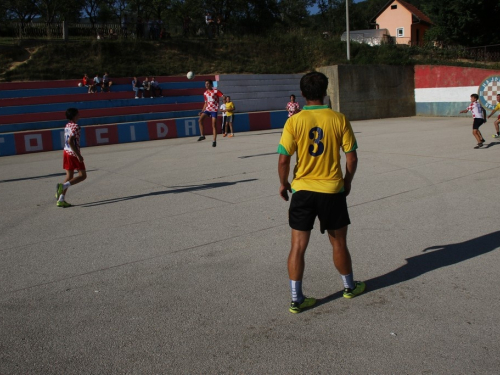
(79, 84)
(190, 75)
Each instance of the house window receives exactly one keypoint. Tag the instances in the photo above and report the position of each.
(394, 7)
(400, 32)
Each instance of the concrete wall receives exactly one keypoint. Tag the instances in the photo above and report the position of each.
(367, 92)
(261, 92)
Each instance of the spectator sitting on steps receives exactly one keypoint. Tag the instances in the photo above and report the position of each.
(147, 87)
(137, 86)
(86, 81)
(96, 83)
(155, 88)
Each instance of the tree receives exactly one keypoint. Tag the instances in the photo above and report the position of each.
(463, 22)
(92, 8)
(59, 10)
(22, 10)
(293, 13)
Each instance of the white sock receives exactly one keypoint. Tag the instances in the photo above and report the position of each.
(61, 198)
(348, 281)
(66, 185)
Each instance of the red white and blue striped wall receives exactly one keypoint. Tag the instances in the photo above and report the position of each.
(446, 90)
(53, 139)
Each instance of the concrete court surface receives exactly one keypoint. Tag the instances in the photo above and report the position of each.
(173, 260)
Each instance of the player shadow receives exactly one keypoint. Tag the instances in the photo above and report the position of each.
(256, 155)
(431, 259)
(174, 190)
(63, 174)
(491, 144)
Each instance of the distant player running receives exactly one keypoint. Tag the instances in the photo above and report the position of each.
(72, 158)
(497, 107)
(316, 135)
(210, 108)
(477, 119)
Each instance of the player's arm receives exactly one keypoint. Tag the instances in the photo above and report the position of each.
(283, 172)
(351, 165)
(469, 108)
(492, 112)
(203, 109)
(72, 145)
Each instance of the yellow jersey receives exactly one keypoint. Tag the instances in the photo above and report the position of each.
(229, 108)
(317, 134)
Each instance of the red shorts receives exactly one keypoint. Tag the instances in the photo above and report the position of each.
(72, 163)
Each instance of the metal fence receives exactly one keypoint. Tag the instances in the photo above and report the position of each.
(483, 53)
(61, 30)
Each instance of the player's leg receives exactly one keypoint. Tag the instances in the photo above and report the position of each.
(497, 130)
(200, 124)
(334, 218)
(63, 188)
(343, 263)
(224, 126)
(476, 134)
(231, 127)
(341, 255)
(82, 175)
(296, 265)
(296, 262)
(214, 129)
(301, 218)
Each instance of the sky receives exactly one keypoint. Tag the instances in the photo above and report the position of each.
(314, 9)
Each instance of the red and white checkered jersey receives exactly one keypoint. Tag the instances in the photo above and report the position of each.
(212, 100)
(292, 108)
(71, 130)
(476, 110)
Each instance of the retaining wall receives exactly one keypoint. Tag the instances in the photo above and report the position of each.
(367, 92)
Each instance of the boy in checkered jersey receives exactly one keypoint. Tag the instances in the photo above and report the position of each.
(72, 158)
(478, 119)
(497, 107)
(210, 108)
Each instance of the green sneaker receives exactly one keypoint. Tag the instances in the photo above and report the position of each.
(296, 307)
(359, 287)
(63, 204)
(59, 190)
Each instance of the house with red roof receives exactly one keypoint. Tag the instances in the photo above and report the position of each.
(405, 23)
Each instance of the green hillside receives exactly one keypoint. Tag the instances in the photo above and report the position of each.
(289, 53)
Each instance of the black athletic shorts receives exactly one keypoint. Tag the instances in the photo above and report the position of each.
(331, 210)
(477, 123)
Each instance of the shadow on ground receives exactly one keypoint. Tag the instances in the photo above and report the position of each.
(431, 259)
(173, 190)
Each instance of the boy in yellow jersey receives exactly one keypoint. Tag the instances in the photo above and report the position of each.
(230, 108)
(497, 107)
(317, 134)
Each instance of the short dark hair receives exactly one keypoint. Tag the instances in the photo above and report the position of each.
(210, 81)
(293, 96)
(313, 86)
(475, 96)
(71, 113)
